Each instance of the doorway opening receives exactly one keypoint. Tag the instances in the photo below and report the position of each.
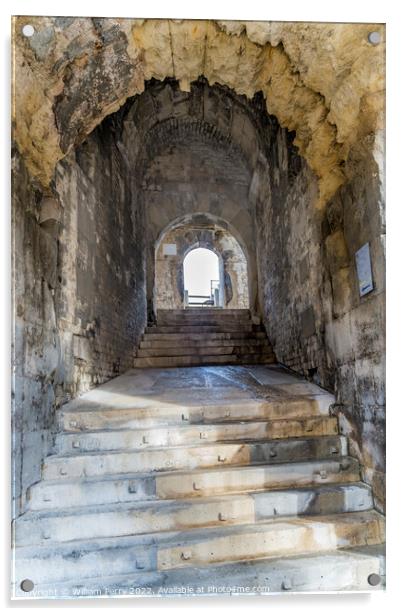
(202, 279)
(219, 274)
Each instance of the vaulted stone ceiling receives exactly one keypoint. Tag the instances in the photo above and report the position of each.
(164, 116)
(324, 81)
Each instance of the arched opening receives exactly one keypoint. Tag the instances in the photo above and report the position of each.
(230, 156)
(196, 237)
(203, 283)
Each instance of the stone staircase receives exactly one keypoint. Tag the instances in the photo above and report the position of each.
(200, 478)
(202, 337)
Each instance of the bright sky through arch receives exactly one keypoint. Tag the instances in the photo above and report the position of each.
(200, 267)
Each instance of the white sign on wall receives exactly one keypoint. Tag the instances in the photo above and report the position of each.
(170, 249)
(363, 266)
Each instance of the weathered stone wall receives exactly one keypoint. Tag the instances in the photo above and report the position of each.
(199, 232)
(36, 345)
(85, 272)
(290, 273)
(355, 326)
(102, 293)
(315, 318)
(79, 289)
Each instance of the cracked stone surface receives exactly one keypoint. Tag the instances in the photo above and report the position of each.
(324, 81)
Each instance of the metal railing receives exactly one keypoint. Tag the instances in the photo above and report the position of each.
(204, 300)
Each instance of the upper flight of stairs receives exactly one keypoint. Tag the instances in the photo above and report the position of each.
(247, 489)
(203, 336)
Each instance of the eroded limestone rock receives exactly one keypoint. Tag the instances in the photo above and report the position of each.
(324, 81)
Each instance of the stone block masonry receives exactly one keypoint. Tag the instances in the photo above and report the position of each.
(80, 295)
(301, 190)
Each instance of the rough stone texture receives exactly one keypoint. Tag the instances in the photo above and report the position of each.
(325, 81)
(355, 326)
(200, 233)
(306, 263)
(36, 346)
(102, 291)
(290, 272)
(183, 147)
(79, 290)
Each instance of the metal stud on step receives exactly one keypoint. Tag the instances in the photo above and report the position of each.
(273, 453)
(222, 458)
(343, 466)
(195, 486)
(62, 471)
(76, 445)
(140, 564)
(222, 517)
(286, 584)
(132, 488)
(334, 450)
(73, 424)
(186, 555)
(45, 535)
(184, 417)
(203, 435)
(145, 440)
(323, 474)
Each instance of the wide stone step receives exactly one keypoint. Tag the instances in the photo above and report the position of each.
(207, 455)
(346, 570)
(198, 329)
(189, 315)
(203, 314)
(204, 360)
(213, 481)
(35, 528)
(202, 310)
(193, 434)
(277, 538)
(227, 410)
(198, 548)
(170, 340)
(204, 322)
(91, 491)
(195, 350)
(208, 309)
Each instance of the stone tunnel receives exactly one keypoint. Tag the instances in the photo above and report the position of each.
(245, 139)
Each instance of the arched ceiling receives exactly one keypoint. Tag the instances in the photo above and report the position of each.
(210, 161)
(324, 81)
(164, 116)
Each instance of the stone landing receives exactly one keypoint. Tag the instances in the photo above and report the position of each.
(207, 479)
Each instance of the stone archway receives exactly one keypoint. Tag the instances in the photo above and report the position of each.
(314, 89)
(86, 91)
(183, 236)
